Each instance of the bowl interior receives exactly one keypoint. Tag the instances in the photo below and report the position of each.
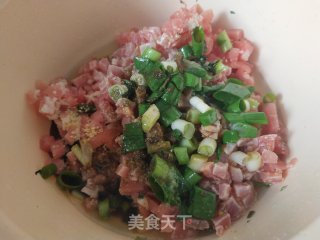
(40, 40)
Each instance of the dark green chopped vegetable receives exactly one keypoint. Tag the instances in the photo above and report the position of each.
(224, 41)
(261, 184)
(168, 113)
(203, 204)
(131, 86)
(245, 130)
(145, 65)
(178, 81)
(212, 89)
(250, 214)
(176, 135)
(158, 146)
(194, 68)
(47, 171)
(209, 117)
(186, 51)
(154, 96)
(232, 12)
(156, 189)
(133, 138)
(104, 208)
(231, 93)
(191, 177)
(198, 42)
(235, 81)
(219, 152)
(235, 107)
(230, 136)
(172, 95)
(70, 180)
(142, 108)
(283, 188)
(169, 179)
(191, 145)
(87, 108)
(198, 87)
(251, 89)
(182, 155)
(191, 80)
(54, 131)
(269, 98)
(216, 67)
(151, 54)
(249, 117)
(156, 79)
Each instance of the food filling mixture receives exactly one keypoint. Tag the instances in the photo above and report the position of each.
(168, 128)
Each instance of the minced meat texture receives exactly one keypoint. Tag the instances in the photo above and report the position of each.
(155, 134)
(106, 162)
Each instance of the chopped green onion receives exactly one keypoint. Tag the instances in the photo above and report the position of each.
(154, 96)
(194, 68)
(199, 104)
(170, 66)
(158, 146)
(150, 117)
(77, 194)
(131, 86)
(216, 67)
(251, 89)
(70, 180)
(138, 79)
(178, 81)
(133, 138)
(253, 161)
(245, 130)
(190, 144)
(230, 136)
(151, 54)
(186, 51)
(191, 80)
(269, 98)
(86, 108)
(172, 95)
(168, 114)
(231, 93)
(207, 147)
(219, 152)
(193, 115)
(117, 91)
(83, 153)
(198, 87)
(169, 180)
(224, 41)
(186, 128)
(203, 204)
(235, 81)
(47, 171)
(212, 89)
(145, 65)
(244, 105)
(191, 177)
(198, 41)
(261, 184)
(254, 104)
(197, 161)
(142, 108)
(181, 155)
(235, 107)
(156, 188)
(208, 117)
(248, 117)
(104, 209)
(176, 136)
(156, 79)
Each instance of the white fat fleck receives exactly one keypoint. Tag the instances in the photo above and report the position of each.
(245, 55)
(49, 106)
(194, 21)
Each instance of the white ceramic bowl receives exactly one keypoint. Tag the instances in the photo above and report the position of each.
(42, 39)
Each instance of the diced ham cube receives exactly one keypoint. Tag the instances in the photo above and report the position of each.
(236, 174)
(222, 223)
(273, 126)
(46, 142)
(269, 156)
(220, 170)
(58, 149)
(224, 191)
(122, 170)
